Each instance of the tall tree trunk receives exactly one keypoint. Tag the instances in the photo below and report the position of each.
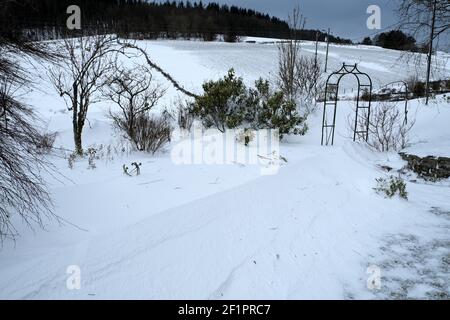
(77, 133)
(77, 140)
(430, 52)
(75, 122)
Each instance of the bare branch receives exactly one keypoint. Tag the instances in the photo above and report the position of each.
(153, 65)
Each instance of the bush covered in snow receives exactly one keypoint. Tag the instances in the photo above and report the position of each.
(228, 103)
(223, 103)
(273, 111)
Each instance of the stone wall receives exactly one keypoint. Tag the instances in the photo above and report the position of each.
(428, 167)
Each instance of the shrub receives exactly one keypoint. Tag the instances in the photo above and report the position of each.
(71, 159)
(151, 132)
(367, 41)
(388, 130)
(411, 83)
(274, 111)
(298, 76)
(365, 96)
(392, 187)
(447, 84)
(436, 86)
(416, 87)
(91, 153)
(419, 89)
(135, 93)
(308, 80)
(102, 152)
(228, 103)
(222, 104)
(185, 117)
(230, 36)
(46, 142)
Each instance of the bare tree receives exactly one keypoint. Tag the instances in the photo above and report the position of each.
(80, 76)
(289, 54)
(135, 93)
(417, 16)
(307, 81)
(298, 76)
(429, 18)
(22, 188)
(388, 130)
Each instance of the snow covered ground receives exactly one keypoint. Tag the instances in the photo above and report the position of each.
(316, 229)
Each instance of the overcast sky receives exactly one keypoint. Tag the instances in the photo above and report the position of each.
(346, 18)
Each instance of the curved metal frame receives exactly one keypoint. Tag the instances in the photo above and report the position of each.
(405, 85)
(334, 88)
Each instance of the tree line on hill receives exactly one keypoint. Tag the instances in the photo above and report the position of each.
(139, 19)
(394, 39)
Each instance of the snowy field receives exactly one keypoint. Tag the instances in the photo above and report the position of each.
(314, 230)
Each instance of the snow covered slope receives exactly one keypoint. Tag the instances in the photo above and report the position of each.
(225, 231)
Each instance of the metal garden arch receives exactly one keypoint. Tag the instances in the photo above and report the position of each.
(331, 100)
